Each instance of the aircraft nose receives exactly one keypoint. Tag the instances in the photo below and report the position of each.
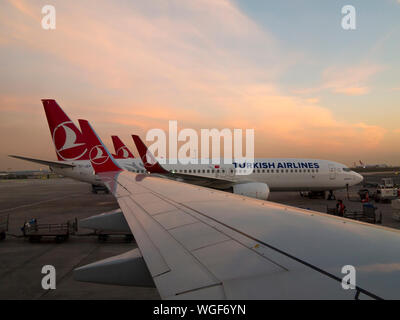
(358, 178)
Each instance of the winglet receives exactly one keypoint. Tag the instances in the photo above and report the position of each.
(150, 163)
(121, 150)
(100, 158)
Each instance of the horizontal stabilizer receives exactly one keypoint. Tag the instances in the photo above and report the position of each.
(128, 269)
(45, 162)
(108, 221)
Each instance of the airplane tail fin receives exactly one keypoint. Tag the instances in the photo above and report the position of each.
(68, 140)
(121, 150)
(100, 158)
(150, 163)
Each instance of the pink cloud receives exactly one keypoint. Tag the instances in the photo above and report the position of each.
(188, 68)
(350, 81)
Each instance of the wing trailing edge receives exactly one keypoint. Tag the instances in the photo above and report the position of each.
(44, 162)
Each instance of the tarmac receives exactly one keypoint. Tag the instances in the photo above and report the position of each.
(61, 200)
(56, 201)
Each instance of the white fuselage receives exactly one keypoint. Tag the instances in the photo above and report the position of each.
(279, 174)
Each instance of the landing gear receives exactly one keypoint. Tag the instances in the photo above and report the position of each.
(96, 189)
(331, 196)
(313, 194)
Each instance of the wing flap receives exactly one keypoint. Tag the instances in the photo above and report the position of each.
(164, 256)
(127, 269)
(154, 260)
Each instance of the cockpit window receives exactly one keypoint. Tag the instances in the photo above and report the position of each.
(346, 169)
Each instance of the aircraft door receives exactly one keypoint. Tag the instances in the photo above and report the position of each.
(332, 172)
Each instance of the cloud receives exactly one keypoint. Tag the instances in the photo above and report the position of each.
(349, 81)
(203, 63)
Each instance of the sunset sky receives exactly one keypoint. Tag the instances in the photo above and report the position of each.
(288, 69)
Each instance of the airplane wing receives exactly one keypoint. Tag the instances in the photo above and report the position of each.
(45, 162)
(199, 243)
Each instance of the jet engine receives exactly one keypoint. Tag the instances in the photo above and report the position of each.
(256, 190)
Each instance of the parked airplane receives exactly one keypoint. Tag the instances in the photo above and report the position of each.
(368, 166)
(198, 243)
(73, 159)
(121, 150)
(268, 174)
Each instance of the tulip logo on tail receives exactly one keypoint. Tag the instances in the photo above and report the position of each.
(98, 155)
(123, 152)
(66, 141)
(149, 159)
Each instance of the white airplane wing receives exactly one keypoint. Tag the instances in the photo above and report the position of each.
(57, 164)
(199, 243)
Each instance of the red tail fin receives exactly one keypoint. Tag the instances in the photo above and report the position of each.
(150, 163)
(100, 158)
(67, 139)
(121, 149)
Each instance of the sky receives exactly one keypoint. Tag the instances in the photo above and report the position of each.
(286, 69)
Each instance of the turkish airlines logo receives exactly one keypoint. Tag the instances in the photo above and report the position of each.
(65, 139)
(148, 159)
(98, 155)
(123, 152)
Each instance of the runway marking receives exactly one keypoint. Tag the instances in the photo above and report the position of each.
(39, 202)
